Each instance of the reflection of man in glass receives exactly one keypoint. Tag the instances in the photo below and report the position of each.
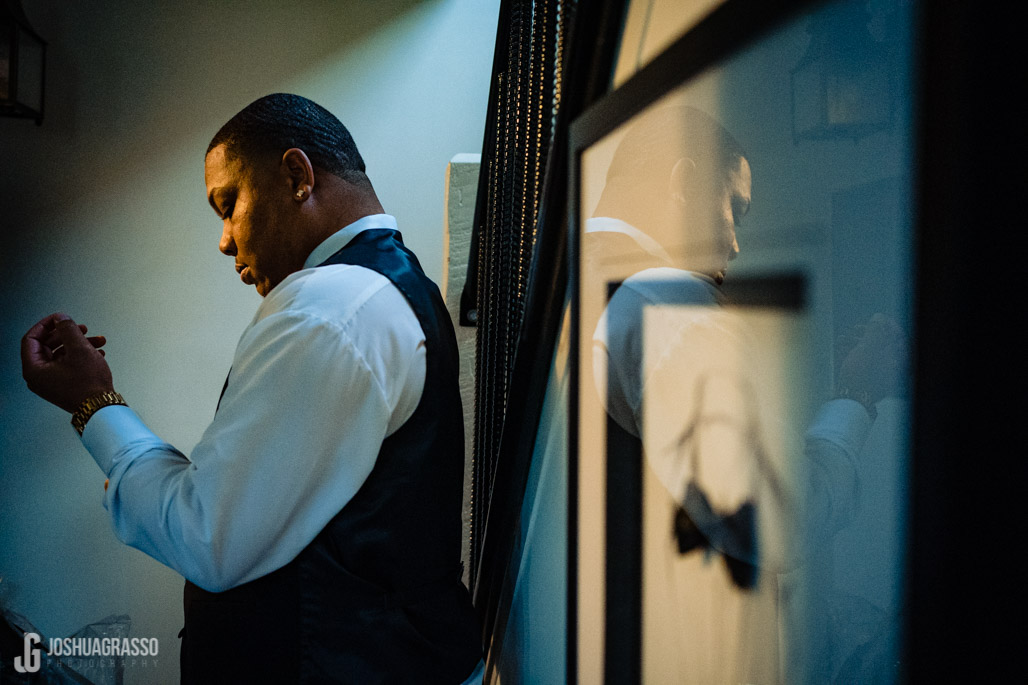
(676, 168)
(663, 233)
(703, 387)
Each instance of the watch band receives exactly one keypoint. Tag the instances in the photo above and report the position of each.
(93, 404)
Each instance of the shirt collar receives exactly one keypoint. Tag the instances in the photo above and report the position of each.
(338, 240)
(602, 224)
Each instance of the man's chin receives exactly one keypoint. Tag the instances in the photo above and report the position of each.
(265, 285)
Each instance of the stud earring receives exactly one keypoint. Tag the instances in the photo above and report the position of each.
(299, 194)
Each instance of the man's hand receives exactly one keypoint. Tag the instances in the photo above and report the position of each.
(875, 362)
(61, 365)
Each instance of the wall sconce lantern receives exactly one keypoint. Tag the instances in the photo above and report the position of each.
(22, 64)
(841, 87)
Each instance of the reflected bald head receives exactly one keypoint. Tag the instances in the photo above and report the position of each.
(679, 177)
(660, 137)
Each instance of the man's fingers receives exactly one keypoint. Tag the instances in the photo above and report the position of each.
(33, 354)
(885, 332)
(45, 326)
(98, 341)
(69, 334)
(34, 349)
(53, 338)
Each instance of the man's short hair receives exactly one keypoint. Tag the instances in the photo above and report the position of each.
(275, 123)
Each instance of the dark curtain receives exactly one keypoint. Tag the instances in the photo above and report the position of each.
(524, 99)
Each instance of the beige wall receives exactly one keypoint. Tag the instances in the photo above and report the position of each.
(103, 215)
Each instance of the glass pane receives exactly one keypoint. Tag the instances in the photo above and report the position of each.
(534, 646)
(652, 25)
(745, 313)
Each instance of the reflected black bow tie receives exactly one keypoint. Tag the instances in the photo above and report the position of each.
(736, 534)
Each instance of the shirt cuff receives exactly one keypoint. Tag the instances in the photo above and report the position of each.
(110, 430)
(843, 422)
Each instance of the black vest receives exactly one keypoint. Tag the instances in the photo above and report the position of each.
(377, 596)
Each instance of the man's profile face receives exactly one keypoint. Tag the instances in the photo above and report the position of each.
(706, 208)
(255, 207)
(735, 203)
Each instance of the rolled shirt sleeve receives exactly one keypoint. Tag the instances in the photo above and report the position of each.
(332, 364)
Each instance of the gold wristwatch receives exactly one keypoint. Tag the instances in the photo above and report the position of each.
(93, 404)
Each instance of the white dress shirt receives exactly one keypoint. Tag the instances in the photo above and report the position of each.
(332, 363)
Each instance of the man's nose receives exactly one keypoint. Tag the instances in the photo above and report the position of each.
(227, 245)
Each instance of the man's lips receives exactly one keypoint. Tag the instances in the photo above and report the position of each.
(244, 273)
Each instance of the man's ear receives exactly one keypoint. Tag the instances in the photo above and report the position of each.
(300, 173)
(683, 177)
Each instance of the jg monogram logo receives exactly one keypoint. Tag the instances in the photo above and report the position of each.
(29, 663)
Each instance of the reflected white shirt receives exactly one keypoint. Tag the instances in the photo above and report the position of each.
(332, 363)
(647, 380)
